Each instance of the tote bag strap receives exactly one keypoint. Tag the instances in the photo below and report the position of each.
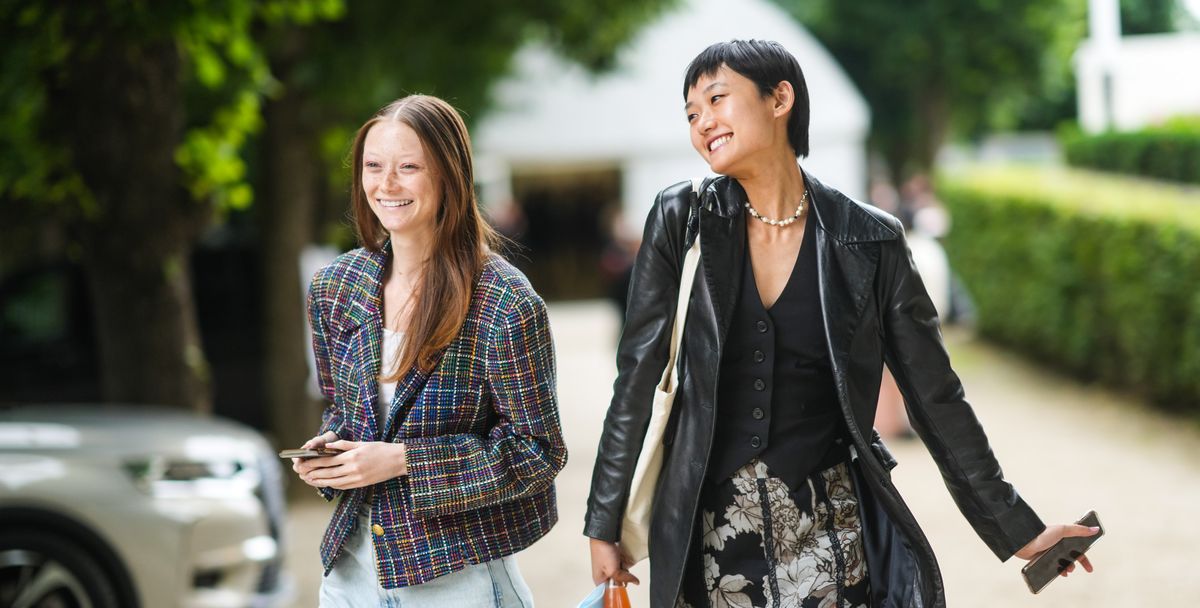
(690, 261)
(635, 524)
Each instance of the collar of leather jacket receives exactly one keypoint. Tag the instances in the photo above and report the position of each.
(839, 216)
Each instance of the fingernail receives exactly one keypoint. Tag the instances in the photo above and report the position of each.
(1094, 528)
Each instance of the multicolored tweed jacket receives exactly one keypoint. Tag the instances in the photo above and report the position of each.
(481, 430)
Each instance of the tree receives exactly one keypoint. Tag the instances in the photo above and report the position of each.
(930, 66)
(130, 117)
(133, 120)
(1148, 16)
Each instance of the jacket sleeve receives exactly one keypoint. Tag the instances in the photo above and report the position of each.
(940, 413)
(331, 418)
(641, 355)
(523, 452)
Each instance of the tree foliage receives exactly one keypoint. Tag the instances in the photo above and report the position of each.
(130, 119)
(455, 49)
(133, 123)
(1148, 16)
(929, 66)
(373, 51)
(223, 71)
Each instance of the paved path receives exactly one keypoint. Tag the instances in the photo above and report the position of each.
(1067, 447)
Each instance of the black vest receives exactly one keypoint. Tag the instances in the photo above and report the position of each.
(776, 397)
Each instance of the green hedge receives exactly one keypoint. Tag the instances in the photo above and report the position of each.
(1096, 273)
(1170, 151)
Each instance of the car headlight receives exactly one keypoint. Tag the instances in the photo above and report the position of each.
(168, 478)
(211, 467)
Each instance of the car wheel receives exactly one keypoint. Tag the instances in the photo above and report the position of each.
(45, 571)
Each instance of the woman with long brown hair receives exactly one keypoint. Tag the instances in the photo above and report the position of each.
(436, 357)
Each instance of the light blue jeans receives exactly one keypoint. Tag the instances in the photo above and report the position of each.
(354, 582)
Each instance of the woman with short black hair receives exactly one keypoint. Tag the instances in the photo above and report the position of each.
(775, 491)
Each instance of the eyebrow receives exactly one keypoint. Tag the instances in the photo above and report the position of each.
(404, 156)
(708, 88)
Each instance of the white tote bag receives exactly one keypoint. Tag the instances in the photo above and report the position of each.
(635, 526)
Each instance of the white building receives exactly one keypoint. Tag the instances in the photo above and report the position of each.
(557, 124)
(1128, 82)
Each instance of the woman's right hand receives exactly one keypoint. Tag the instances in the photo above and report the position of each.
(609, 561)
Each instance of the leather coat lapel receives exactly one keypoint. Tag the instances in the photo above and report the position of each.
(847, 258)
(846, 277)
(722, 245)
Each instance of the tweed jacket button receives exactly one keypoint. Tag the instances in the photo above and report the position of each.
(377, 529)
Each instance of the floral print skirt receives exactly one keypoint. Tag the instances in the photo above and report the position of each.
(763, 545)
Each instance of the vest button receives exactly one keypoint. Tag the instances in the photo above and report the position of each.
(761, 326)
(755, 442)
(757, 413)
(759, 384)
(377, 529)
(759, 357)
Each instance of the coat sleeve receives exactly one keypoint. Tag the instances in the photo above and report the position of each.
(523, 451)
(641, 355)
(331, 417)
(939, 412)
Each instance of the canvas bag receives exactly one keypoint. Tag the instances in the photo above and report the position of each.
(635, 525)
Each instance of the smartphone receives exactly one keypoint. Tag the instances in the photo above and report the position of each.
(309, 453)
(1041, 571)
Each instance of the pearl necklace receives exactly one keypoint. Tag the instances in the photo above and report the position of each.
(783, 222)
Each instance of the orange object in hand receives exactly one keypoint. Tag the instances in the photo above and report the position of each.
(615, 596)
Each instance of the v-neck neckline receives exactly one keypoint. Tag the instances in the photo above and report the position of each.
(791, 274)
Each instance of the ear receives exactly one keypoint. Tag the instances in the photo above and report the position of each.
(783, 97)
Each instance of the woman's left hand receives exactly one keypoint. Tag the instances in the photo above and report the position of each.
(361, 464)
(1053, 534)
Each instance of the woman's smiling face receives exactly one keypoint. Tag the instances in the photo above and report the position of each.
(399, 182)
(731, 122)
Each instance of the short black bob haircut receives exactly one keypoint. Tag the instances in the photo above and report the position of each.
(766, 63)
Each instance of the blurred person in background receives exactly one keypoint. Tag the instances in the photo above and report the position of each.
(801, 296)
(928, 222)
(616, 258)
(891, 422)
(436, 357)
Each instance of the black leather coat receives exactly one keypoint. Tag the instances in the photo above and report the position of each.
(875, 309)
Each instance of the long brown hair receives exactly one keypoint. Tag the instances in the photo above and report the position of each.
(462, 240)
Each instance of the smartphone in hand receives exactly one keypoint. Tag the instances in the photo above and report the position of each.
(309, 453)
(1051, 563)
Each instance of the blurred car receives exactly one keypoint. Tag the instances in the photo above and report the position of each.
(107, 506)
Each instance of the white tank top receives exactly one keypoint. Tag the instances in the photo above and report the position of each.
(392, 341)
